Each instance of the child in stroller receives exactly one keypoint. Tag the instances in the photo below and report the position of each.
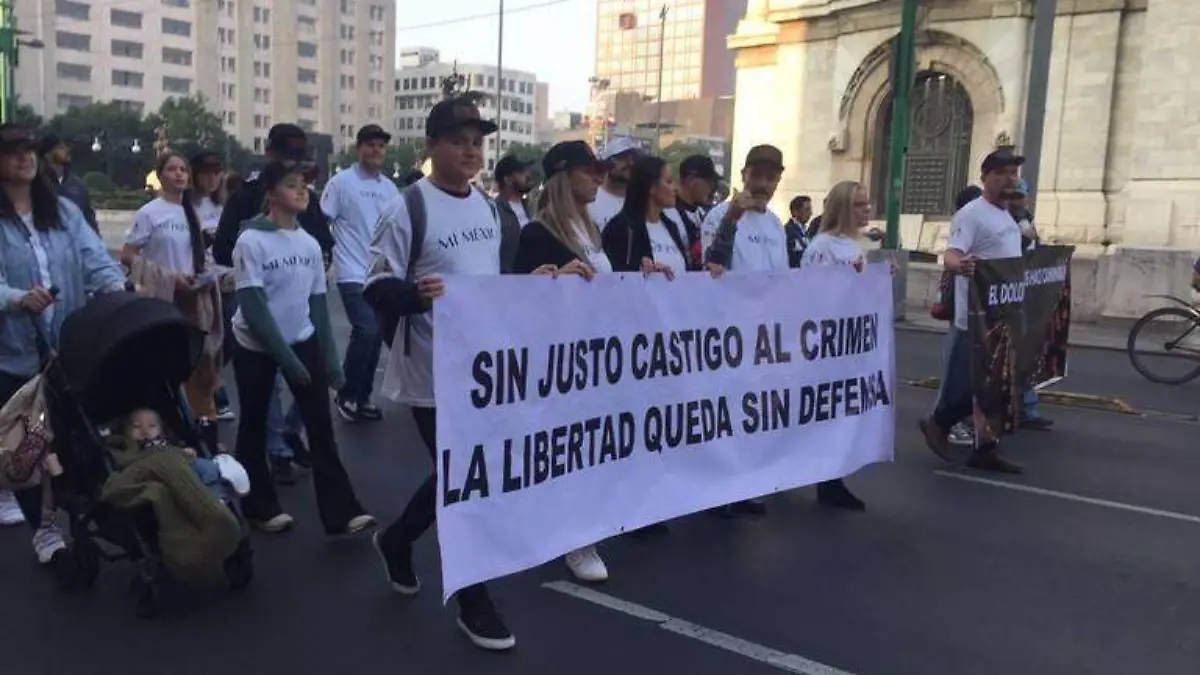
(123, 357)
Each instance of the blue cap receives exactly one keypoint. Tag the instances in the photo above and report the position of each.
(1023, 188)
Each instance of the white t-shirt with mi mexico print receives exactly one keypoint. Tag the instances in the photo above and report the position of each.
(462, 236)
(288, 266)
(160, 231)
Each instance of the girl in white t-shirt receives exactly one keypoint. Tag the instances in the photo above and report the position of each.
(847, 213)
(641, 236)
(166, 241)
(282, 324)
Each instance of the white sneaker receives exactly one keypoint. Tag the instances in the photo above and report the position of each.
(359, 523)
(962, 435)
(234, 473)
(10, 511)
(226, 414)
(585, 563)
(47, 541)
(279, 523)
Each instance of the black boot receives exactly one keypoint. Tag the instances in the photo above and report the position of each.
(835, 493)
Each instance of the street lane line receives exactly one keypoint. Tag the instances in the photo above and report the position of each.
(1120, 506)
(791, 663)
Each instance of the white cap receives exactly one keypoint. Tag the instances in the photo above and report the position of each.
(618, 146)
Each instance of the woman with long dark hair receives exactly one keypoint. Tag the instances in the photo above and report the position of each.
(641, 237)
(208, 199)
(45, 242)
(165, 251)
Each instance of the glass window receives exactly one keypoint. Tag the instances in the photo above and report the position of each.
(176, 27)
(74, 41)
(125, 19)
(74, 71)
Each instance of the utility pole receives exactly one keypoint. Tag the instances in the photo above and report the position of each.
(1039, 79)
(662, 42)
(903, 56)
(8, 55)
(500, 82)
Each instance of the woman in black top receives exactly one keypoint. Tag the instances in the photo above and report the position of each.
(562, 234)
(641, 237)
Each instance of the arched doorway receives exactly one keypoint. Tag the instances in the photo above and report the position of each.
(939, 147)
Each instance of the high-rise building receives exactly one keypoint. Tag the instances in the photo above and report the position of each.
(419, 87)
(325, 64)
(630, 34)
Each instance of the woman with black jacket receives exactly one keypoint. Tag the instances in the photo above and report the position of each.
(562, 234)
(641, 237)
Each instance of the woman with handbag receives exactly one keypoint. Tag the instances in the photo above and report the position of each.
(45, 243)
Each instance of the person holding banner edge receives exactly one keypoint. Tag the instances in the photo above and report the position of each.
(461, 215)
(641, 237)
(981, 230)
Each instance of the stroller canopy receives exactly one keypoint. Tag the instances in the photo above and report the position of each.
(121, 347)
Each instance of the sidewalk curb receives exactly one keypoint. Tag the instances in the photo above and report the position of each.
(911, 327)
(1067, 399)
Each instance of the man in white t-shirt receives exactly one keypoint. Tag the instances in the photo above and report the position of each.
(352, 200)
(462, 236)
(619, 154)
(981, 230)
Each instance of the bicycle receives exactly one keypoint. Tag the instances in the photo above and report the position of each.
(1164, 343)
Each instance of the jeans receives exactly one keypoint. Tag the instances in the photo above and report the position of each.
(1029, 402)
(947, 345)
(421, 510)
(956, 402)
(362, 352)
(280, 424)
(255, 374)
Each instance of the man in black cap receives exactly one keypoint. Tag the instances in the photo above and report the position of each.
(981, 230)
(698, 181)
(514, 182)
(353, 200)
(462, 235)
(56, 154)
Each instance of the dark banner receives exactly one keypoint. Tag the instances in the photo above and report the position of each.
(1019, 323)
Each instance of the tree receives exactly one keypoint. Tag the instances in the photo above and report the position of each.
(192, 127)
(675, 153)
(531, 154)
(28, 118)
(112, 128)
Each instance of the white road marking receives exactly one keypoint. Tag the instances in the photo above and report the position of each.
(1120, 506)
(791, 663)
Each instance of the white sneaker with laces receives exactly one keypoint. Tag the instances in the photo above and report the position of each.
(962, 435)
(47, 541)
(10, 511)
(233, 473)
(587, 565)
(274, 525)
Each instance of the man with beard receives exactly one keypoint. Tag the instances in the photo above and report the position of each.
(514, 182)
(698, 181)
(57, 155)
(352, 200)
(619, 154)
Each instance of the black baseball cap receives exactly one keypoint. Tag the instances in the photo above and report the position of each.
(998, 159)
(274, 172)
(206, 161)
(452, 114)
(700, 166)
(508, 165)
(16, 138)
(372, 132)
(765, 155)
(288, 141)
(49, 142)
(569, 155)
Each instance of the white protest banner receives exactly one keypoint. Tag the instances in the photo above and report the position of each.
(572, 411)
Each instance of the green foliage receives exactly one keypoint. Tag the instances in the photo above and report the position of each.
(527, 152)
(403, 154)
(192, 127)
(98, 182)
(118, 199)
(675, 153)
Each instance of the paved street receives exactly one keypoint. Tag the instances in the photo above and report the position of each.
(1085, 565)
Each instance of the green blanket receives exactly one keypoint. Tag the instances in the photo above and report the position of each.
(196, 532)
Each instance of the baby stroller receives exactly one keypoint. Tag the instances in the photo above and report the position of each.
(118, 353)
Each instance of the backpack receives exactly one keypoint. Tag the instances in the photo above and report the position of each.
(392, 298)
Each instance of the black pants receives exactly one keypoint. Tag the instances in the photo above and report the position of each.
(255, 374)
(421, 511)
(956, 402)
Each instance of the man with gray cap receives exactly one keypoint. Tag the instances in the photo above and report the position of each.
(619, 154)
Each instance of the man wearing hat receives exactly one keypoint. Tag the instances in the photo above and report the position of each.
(698, 181)
(514, 182)
(619, 154)
(352, 200)
(56, 154)
(982, 230)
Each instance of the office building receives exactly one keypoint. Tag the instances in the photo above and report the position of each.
(521, 109)
(695, 60)
(323, 63)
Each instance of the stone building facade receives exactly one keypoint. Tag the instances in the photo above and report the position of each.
(1121, 153)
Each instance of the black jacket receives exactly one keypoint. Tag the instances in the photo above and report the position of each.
(73, 189)
(538, 247)
(247, 203)
(693, 218)
(510, 230)
(627, 241)
(797, 241)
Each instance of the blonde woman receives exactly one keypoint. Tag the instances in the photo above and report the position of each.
(847, 213)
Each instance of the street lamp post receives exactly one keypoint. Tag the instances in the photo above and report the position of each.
(1039, 78)
(499, 80)
(902, 80)
(662, 42)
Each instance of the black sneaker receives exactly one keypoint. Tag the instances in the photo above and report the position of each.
(301, 457)
(835, 493)
(397, 564)
(481, 623)
(346, 409)
(751, 507)
(283, 472)
(369, 412)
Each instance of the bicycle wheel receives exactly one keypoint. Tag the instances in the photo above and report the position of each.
(1164, 346)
